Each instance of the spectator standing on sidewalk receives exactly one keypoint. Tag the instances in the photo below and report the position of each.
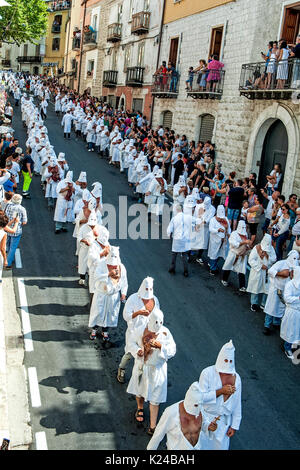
(13, 210)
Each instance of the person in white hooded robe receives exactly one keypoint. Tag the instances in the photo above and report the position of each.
(110, 289)
(237, 257)
(203, 213)
(81, 213)
(279, 274)
(152, 347)
(181, 228)
(87, 234)
(261, 258)
(180, 191)
(222, 389)
(64, 203)
(98, 253)
(53, 175)
(97, 196)
(184, 423)
(219, 231)
(290, 325)
(66, 122)
(136, 312)
(157, 190)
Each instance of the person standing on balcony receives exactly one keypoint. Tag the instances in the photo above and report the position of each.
(214, 75)
(171, 70)
(283, 65)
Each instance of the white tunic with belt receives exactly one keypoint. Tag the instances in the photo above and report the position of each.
(257, 283)
(234, 260)
(200, 237)
(274, 305)
(290, 325)
(84, 233)
(218, 241)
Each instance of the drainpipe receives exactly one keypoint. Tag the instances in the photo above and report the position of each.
(158, 53)
(81, 44)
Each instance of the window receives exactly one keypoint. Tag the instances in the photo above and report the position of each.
(131, 8)
(57, 20)
(95, 22)
(7, 54)
(127, 57)
(216, 41)
(90, 67)
(120, 11)
(55, 44)
(137, 105)
(167, 119)
(37, 50)
(114, 60)
(146, 5)
(25, 50)
(173, 51)
(141, 53)
(207, 124)
(291, 23)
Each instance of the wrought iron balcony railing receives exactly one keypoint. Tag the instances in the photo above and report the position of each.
(165, 85)
(272, 80)
(76, 44)
(135, 76)
(114, 32)
(207, 85)
(90, 38)
(29, 59)
(140, 22)
(5, 62)
(110, 78)
(56, 28)
(60, 5)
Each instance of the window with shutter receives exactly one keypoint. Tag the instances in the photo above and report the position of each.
(173, 51)
(167, 119)
(137, 105)
(206, 127)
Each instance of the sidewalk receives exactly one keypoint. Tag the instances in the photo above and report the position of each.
(14, 407)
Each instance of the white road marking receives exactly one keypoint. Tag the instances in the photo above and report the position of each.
(18, 260)
(25, 316)
(40, 441)
(34, 387)
(2, 337)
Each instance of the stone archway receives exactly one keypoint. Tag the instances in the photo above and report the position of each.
(257, 138)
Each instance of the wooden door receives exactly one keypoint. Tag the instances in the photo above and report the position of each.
(216, 41)
(173, 51)
(290, 26)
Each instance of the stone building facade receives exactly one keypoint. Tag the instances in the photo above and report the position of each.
(243, 130)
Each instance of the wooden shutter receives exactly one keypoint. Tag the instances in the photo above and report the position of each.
(207, 127)
(290, 26)
(216, 41)
(173, 51)
(167, 119)
(137, 105)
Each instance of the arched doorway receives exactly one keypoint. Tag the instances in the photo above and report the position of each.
(167, 119)
(206, 127)
(275, 150)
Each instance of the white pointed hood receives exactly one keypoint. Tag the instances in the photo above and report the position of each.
(86, 195)
(193, 400)
(266, 243)
(146, 289)
(225, 361)
(92, 219)
(293, 259)
(156, 320)
(296, 277)
(220, 212)
(97, 189)
(241, 228)
(103, 235)
(92, 204)
(69, 177)
(82, 177)
(181, 181)
(113, 258)
(207, 203)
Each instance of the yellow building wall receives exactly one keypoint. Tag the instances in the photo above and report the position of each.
(56, 56)
(184, 8)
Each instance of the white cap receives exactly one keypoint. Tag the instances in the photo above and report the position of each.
(82, 177)
(193, 400)
(113, 258)
(225, 360)
(156, 320)
(146, 289)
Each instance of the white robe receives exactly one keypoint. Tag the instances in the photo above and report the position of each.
(234, 261)
(105, 307)
(200, 237)
(157, 199)
(230, 411)
(133, 304)
(257, 283)
(85, 233)
(93, 262)
(51, 186)
(67, 122)
(150, 379)
(170, 425)
(63, 209)
(181, 228)
(274, 306)
(290, 325)
(218, 241)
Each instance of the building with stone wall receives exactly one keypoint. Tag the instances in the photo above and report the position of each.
(251, 128)
(27, 57)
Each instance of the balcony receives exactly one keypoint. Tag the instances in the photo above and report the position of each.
(207, 89)
(259, 81)
(56, 28)
(90, 39)
(5, 62)
(135, 76)
(114, 32)
(29, 59)
(140, 22)
(76, 44)
(110, 78)
(165, 86)
(59, 5)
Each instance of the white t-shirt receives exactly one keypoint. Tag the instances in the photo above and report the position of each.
(278, 178)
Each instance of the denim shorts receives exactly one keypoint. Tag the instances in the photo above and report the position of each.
(233, 214)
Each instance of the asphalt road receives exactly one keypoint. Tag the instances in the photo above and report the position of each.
(83, 406)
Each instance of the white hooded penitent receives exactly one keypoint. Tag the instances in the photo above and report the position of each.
(113, 258)
(146, 289)
(156, 321)
(193, 400)
(225, 360)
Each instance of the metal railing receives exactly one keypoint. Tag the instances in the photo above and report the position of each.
(272, 76)
(110, 78)
(56, 28)
(114, 32)
(29, 59)
(135, 76)
(90, 37)
(63, 5)
(165, 84)
(140, 22)
(5, 62)
(76, 43)
(209, 84)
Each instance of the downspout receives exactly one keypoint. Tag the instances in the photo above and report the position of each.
(158, 54)
(81, 44)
